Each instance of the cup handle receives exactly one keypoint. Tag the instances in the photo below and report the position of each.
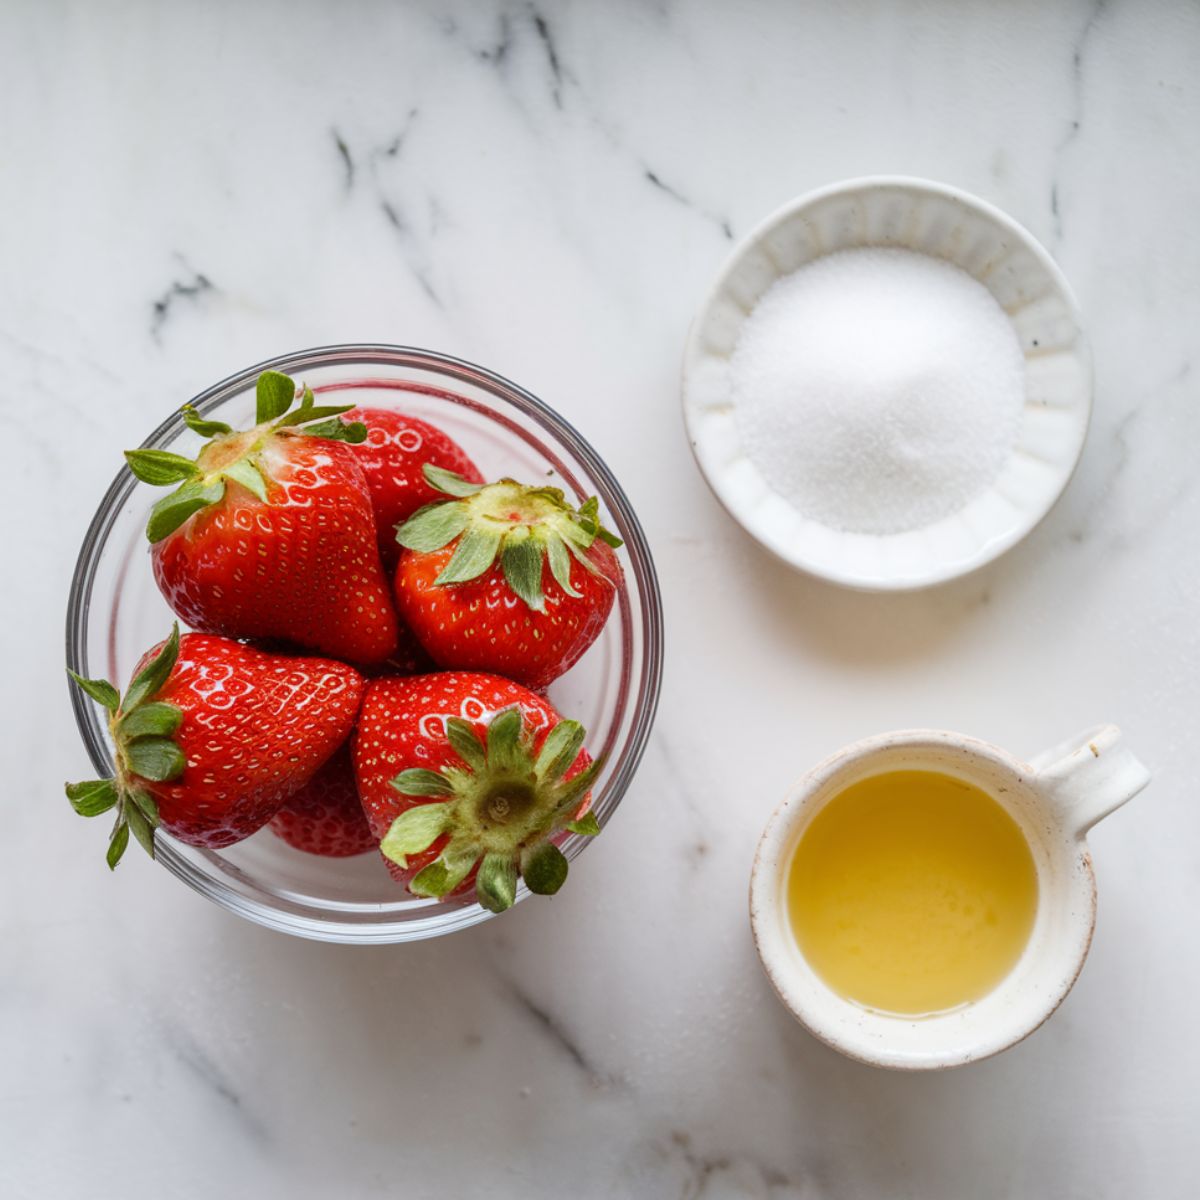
(1088, 776)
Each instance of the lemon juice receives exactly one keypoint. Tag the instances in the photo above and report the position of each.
(912, 892)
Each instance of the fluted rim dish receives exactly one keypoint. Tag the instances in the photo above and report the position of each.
(946, 223)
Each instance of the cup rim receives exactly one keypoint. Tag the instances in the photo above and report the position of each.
(306, 922)
(771, 936)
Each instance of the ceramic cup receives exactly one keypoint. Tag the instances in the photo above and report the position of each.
(1055, 799)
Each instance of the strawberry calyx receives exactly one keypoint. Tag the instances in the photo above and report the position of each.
(499, 809)
(141, 728)
(523, 526)
(235, 456)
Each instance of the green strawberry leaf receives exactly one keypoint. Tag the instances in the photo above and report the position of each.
(574, 790)
(171, 511)
(465, 743)
(448, 482)
(273, 396)
(100, 690)
(575, 536)
(337, 430)
(117, 844)
(147, 804)
(496, 883)
(432, 527)
(587, 825)
(504, 740)
(588, 514)
(560, 564)
(581, 556)
(474, 554)
(157, 719)
(92, 798)
(413, 831)
(559, 750)
(446, 871)
(417, 781)
(311, 412)
(544, 869)
(201, 425)
(249, 476)
(140, 827)
(156, 758)
(160, 467)
(588, 518)
(154, 674)
(521, 560)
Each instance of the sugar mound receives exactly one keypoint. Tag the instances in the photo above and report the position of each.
(878, 390)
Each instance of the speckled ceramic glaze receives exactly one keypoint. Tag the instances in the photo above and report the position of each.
(1055, 799)
(945, 223)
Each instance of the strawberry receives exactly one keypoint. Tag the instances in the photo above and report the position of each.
(467, 776)
(396, 448)
(505, 578)
(324, 817)
(271, 533)
(212, 737)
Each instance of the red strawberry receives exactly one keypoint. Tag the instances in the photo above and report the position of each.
(506, 578)
(271, 532)
(396, 449)
(460, 772)
(324, 817)
(212, 737)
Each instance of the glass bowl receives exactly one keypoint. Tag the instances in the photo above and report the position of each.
(115, 612)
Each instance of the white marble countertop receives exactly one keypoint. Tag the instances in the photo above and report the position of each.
(188, 188)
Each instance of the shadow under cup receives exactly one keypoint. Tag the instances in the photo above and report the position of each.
(115, 613)
(1028, 994)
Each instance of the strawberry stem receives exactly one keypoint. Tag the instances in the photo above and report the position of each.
(499, 809)
(525, 527)
(233, 456)
(141, 728)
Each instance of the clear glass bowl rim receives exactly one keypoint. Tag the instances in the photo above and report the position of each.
(350, 355)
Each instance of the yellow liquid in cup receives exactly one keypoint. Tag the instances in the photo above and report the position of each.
(912, 892)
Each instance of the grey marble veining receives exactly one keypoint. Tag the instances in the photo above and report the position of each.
(547, 188)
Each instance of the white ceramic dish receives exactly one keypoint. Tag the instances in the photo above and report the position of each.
(949, 224)
(1055, 800)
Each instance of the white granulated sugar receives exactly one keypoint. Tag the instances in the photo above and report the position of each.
(878, 390)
